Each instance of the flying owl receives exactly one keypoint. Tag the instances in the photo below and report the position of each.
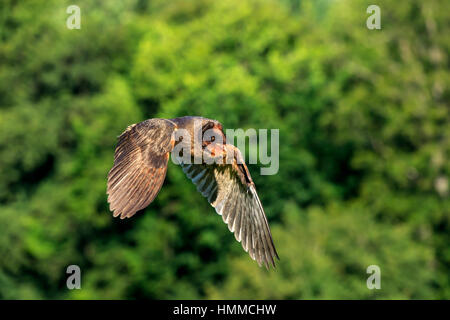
(140, 166)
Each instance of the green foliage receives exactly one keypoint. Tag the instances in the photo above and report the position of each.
(330, 258)
(364, 146)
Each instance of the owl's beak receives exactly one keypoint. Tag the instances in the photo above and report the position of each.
(216, 150)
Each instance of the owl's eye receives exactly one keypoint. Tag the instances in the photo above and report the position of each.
(213, 139)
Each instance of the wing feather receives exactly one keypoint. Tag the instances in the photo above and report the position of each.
(236, 200)
(140, 165)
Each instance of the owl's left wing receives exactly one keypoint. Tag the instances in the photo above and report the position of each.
(140, 165)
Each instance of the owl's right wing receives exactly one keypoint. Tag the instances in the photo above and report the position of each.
(231, 191)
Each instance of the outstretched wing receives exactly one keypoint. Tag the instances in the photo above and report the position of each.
(231, 191)
(140, 165)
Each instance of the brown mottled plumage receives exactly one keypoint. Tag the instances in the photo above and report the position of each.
(140, 165)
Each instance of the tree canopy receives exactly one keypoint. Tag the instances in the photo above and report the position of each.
(364, 122)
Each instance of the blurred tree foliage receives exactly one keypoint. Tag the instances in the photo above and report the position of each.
(364, 146)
